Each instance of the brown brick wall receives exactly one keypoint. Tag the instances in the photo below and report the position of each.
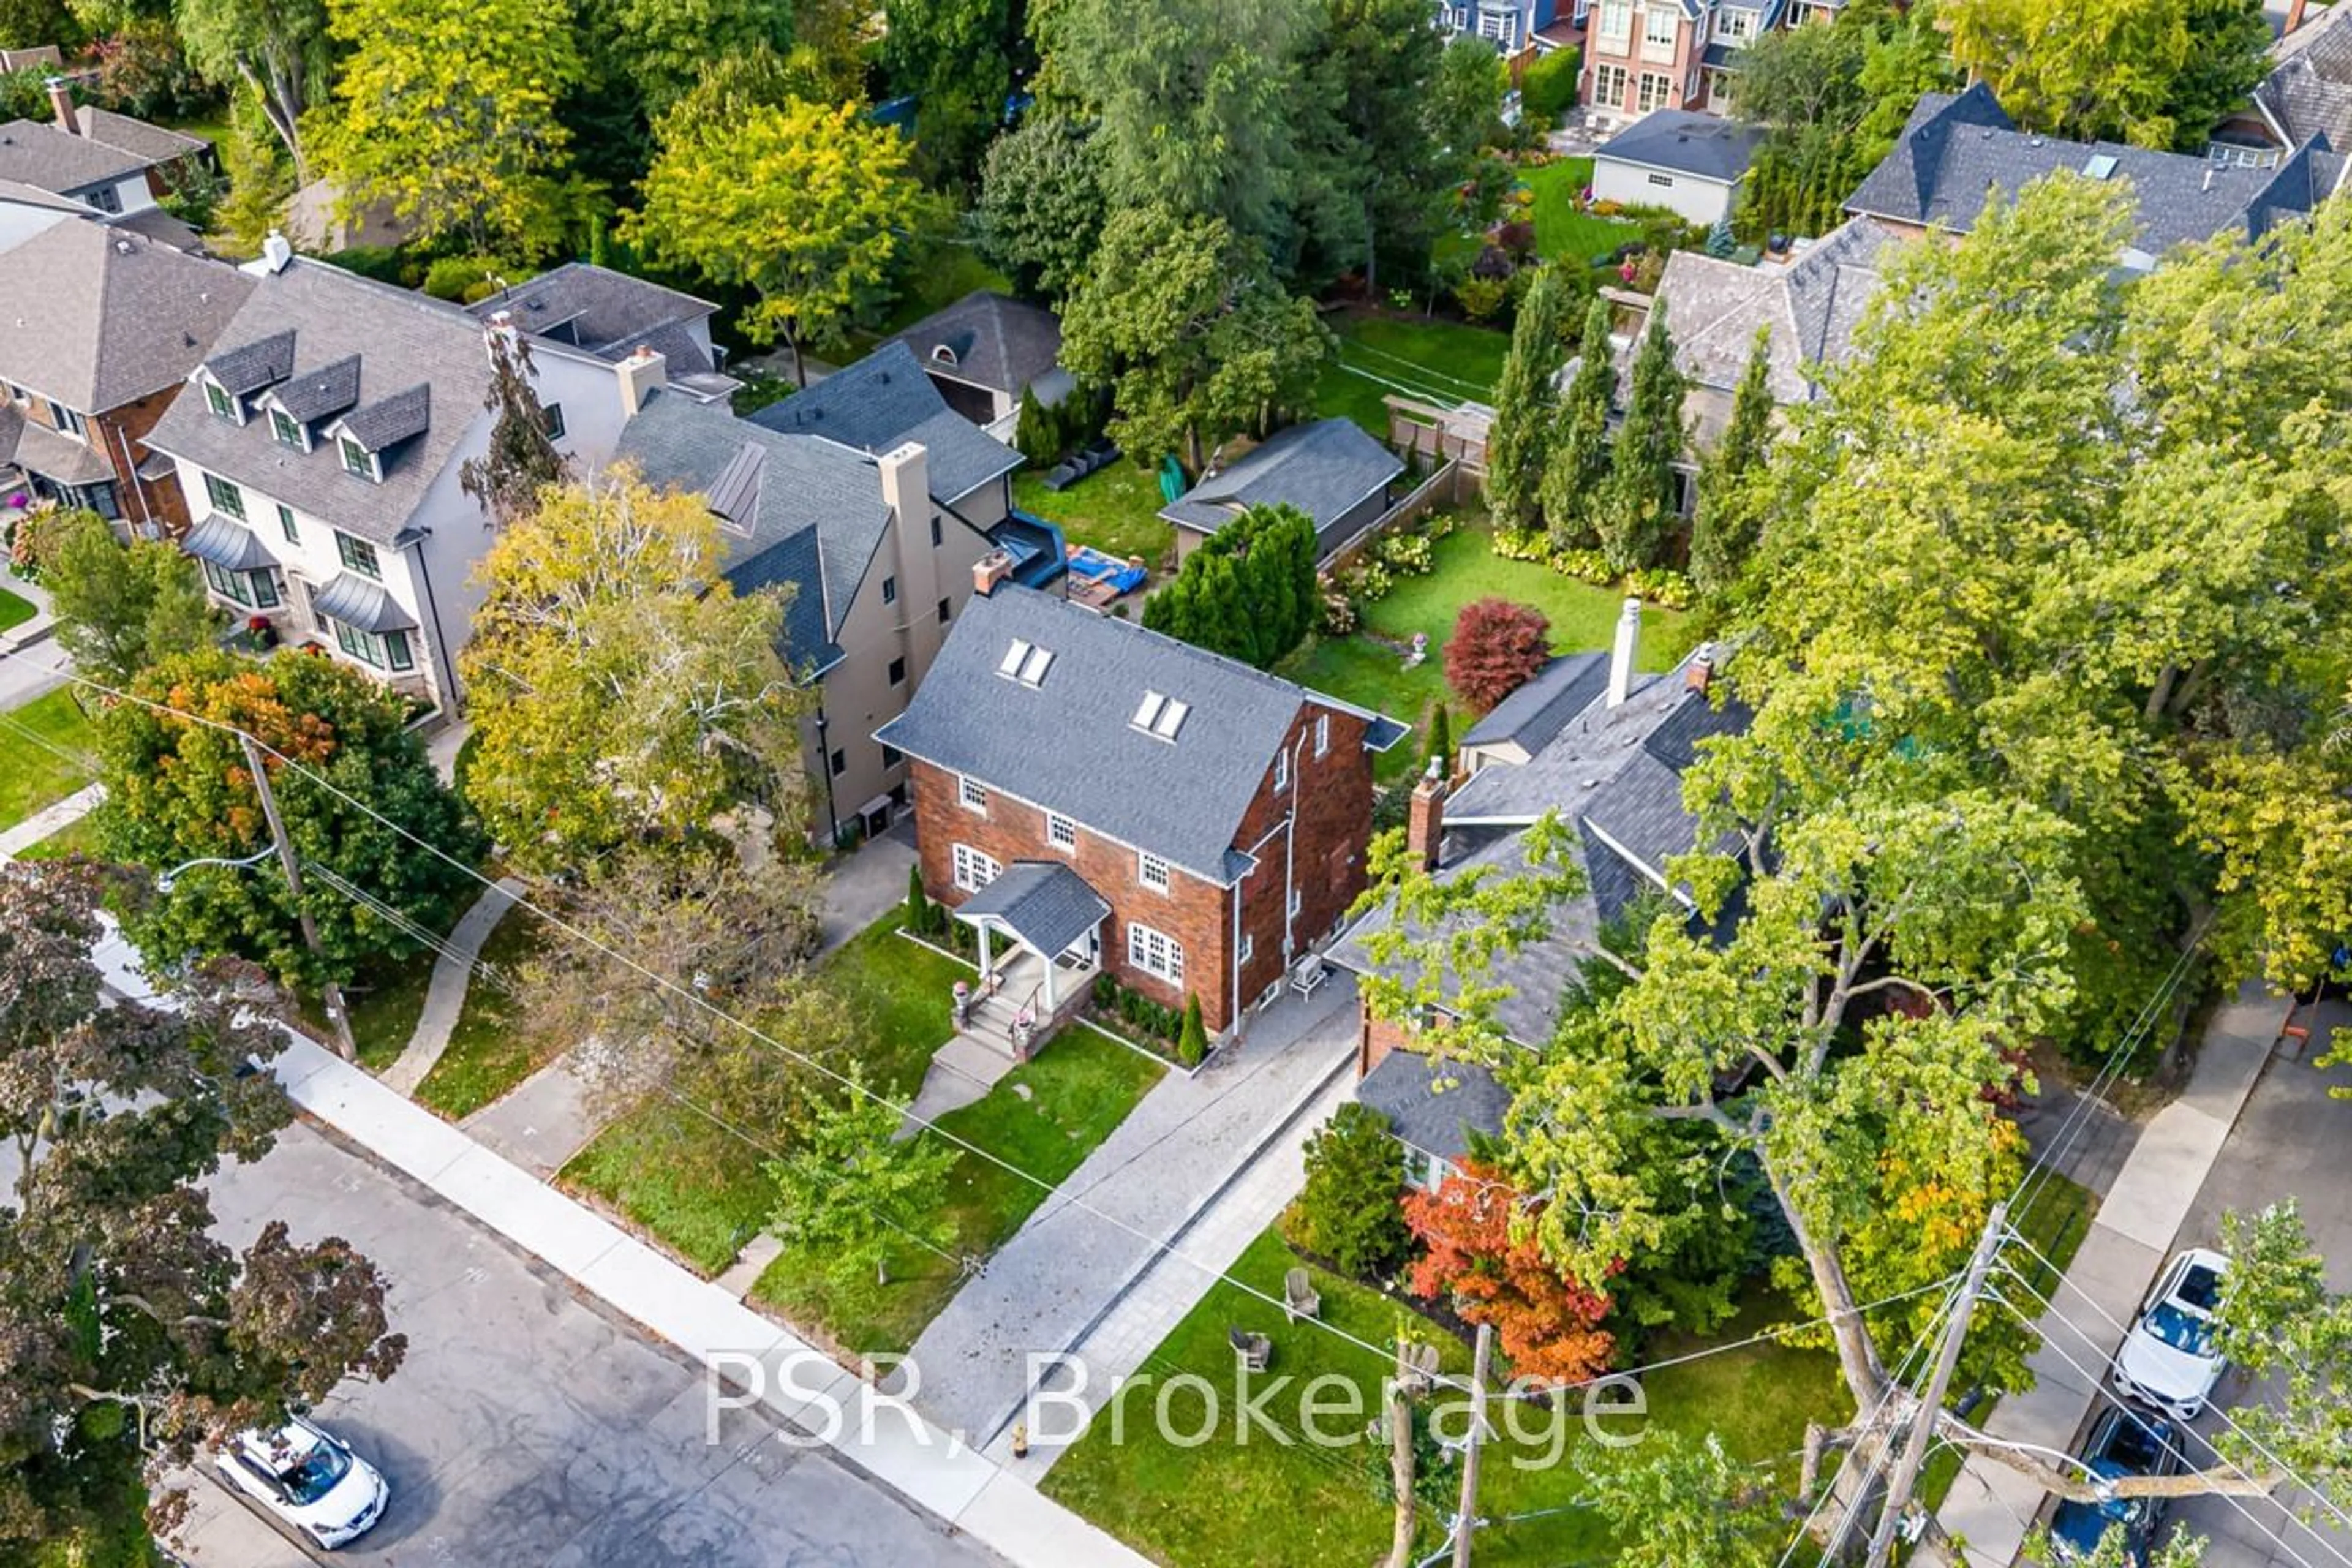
(1334, 820)
(161, 503)
(1376, 1038)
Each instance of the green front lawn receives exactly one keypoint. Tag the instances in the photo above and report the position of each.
(1114, 510)
(1443, 362)
(1043, 1118)
(1372, 674)
(490, 1051)
(696, 1188)
(385, 1007)
(45, 754)
(15, 609)
(1560, 229)
(899, 992)
(1265, 1505)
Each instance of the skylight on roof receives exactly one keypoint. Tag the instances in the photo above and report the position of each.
(1034, 668)
(1159, 716)
(2101, 165)
(1014, 656)
(1147, 712)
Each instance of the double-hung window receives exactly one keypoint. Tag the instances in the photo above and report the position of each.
(1152, 872)
(288, 430)
(359, 555)
(973, 793)
(1616, 21)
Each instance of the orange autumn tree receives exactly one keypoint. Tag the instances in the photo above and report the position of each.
(1482, 1251)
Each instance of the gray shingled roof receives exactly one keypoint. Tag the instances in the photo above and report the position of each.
(1434, 1105)
(801, 511)
(1067, 744)
(314, 395)
(884, 401)
(1685, 143)
(253, 363)
(96, 318)
(405, 344)
(1043, 902)
(605, 313)
(1957, 152)
(151, 143)
(41, 450)
(1813, 304)
(2309, 91)
(41, 155)
(1530, 716)
(1323, 468)
(995, 341)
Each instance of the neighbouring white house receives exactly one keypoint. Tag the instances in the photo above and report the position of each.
(320, 444)
(1676, 158)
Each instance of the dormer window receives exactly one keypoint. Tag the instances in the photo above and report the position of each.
(289, 430)
(358, 459)
(944, 355)
(1160, 717)
(222, 403)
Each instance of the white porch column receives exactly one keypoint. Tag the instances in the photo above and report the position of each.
(1049, 988)
(981, 926)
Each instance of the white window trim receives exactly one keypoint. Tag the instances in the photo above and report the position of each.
(1167, 964)
(1248, 949)
(1282, 769)
(1144, 862)
(1061, 833)
(972, 870)
(1621, 12)
(1322, 734)
(971, 795)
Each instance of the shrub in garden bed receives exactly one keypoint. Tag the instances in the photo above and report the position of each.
(1654, 585)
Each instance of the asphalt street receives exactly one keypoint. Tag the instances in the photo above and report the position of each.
(527, 1426)
(2291, 1140)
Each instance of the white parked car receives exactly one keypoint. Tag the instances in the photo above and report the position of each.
(306, 1477)
(2168, 1359)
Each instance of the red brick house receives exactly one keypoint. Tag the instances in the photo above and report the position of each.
(1091, 794)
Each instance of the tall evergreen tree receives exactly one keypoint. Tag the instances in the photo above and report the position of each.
(522, 459)
(1524, 402)
(1579, 458)
(1724, 528)
(1636, 506)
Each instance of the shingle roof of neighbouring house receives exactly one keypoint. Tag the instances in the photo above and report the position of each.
(98, 318)
(1434, 1105)
(151, 143)
(1685, 143)
(1542, 706)
(1813, 304)
(605, 313)
(1960, 152)
(422, 376)
(1069, 742)
(992, 340)
(884, 401)
(797, 510)
(2309, 90)
(1323, 468)
(52, 159)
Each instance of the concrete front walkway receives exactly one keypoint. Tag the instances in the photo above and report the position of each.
(873, 1432)
(1065, 1272)
(51, 819)
(1991, 1506)
(453, 974)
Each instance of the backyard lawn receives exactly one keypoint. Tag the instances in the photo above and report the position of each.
(1114, 510)
(15, 609)
(1372, 674)
(1220, 1505)
(45, 754)
(1044, 1118)
(1560, 229)
(1443, 362)
(489, 1052)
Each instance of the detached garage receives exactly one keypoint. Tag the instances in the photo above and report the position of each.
(1675, 158)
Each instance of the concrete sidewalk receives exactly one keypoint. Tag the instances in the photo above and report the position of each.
(1991, 1506)
(453, 975)
(880, 1436)
(51, 819)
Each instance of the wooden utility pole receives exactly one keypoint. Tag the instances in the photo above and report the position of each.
(1931, 1405)
(1401, 1466)
(336, 1016)
(1465, 1522)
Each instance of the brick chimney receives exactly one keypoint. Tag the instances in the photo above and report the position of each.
(640, 375)
(2294, 11)
(990, 570)
(61, 104)
(1701, 673)
(1627, 649)
(1424, 822)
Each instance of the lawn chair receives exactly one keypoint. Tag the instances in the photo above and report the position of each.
(1299, 1296)
(1253, 1350)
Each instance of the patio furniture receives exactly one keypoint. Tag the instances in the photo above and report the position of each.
(1308, 973)
(1299, 1296)
(1253, 1350)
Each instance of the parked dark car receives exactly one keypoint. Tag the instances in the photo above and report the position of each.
(2125, 1442)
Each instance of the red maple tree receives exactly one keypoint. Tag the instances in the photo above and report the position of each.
(1547, 1324)
(1495, 647)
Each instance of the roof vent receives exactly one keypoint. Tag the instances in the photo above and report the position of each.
(2100, 167)
(1159, 716)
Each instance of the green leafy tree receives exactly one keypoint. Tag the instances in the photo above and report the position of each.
(1579, 462)
(135, 1335)
(1637, 507)
(802, 205)
(1548, 87)
(2229, 54)
(850, 1194)
(260, 183)
(1041, 205)
(445, 111)
(1441, 739)
(120, 609)
(1527, 402)
(1186, 325)
(178, 789)
(2280, 1322)
(1375, 177)
(621, 691)
(1726, 524)
(1676, 1500)
(30, 24)
(657, 49)
(521, 461)
(1466, 98)
(1348, 1211)
(956, 56)
(2131, 69)
(280, 52)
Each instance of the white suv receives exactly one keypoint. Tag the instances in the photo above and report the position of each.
(308, 1477)
(2168, 1359)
